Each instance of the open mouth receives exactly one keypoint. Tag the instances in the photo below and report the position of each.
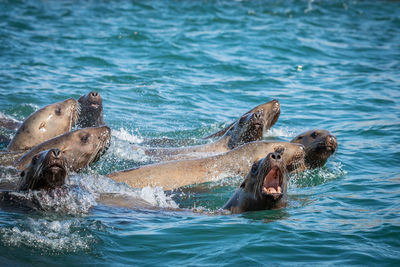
(272, 185)
(94, 105)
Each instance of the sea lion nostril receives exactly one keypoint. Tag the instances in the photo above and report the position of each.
(94, 94)
(56, 152)
(276, 156)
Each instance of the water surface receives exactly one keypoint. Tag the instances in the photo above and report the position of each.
(184, 69)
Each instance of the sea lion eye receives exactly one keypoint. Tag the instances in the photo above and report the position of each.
(58, 111)
(22, 174)
(85, 138)
(314, 134)
(300, 137)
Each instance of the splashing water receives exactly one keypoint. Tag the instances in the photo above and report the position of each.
(48, 235)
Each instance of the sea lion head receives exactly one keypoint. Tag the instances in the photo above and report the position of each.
(47, 170)
(266, 183)
(44, 124)
(247, 129)
(270, 113)
(91, 113)
(85, 146)
(319, 146)
(81, 147)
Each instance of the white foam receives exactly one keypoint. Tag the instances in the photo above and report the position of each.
(157, 197)
(124, 135)
(65, 235)
(317, 176)
(280, 132)
(98, 184)
(121, 148)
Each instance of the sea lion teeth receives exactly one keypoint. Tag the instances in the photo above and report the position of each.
(279, 190)
(272, 190)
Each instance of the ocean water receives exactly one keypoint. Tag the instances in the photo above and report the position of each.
(184, 69)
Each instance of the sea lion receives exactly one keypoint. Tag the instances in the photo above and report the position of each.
(44, 124)
(80, 147)
(319, 146)
(264, 187)
(270, 113)
(91, 114)
(174, 174)
(44, 185)
(47, 170)
(247, 129)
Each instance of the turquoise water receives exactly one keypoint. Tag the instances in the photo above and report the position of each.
(184, 69)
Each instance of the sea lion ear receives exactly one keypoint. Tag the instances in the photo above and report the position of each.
(22, 174)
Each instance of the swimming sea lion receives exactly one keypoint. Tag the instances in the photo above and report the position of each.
(270, 113)
(47, 170)
(174, 174)
(319, 146)
(91, 114)
(80, 147)
(247, 129)
(44, 124)
(263, 188)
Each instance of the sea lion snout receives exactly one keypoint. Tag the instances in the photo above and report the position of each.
(91, 106)
(276, 106)
(94, 94)
(47, 170)
(276, 156)
(331, 142)
(55, 152)
(94, 99)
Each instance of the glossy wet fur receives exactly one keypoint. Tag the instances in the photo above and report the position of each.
(91, 114)
(264, 187)
(47, 170)
(174, 174)
(319, 146)
(44, 124)
(80, 147)
(247, 129)
(270, 113)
